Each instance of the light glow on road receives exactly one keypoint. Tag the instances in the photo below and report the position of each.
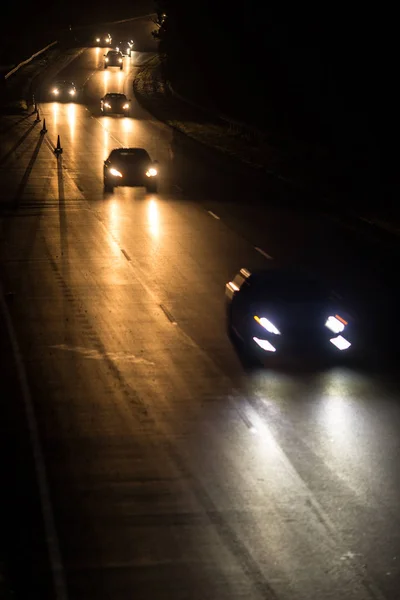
(127, 126)
(335, 410)
(153, 218)
(106, 143)
(54, 109)
(71, 113)
(106, 81)
(114, 216)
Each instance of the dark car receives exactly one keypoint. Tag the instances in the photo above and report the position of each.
(130, 167)
(125, 47)
(63, 91)
(113, 58)
(103, 39)
(114, 103)
(288, 313)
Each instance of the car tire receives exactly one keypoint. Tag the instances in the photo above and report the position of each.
(152, 188)
(105, 66)
(120, 68)
(108, 187)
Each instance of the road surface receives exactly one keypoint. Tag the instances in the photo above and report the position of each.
(172, 470)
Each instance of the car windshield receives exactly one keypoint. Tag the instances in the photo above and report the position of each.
(115, 97)
(64, 84)
(130, 156)
(112, 54)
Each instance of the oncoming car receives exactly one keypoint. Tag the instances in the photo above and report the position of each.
(287, 313)
(104, 39)
(131, 167)
(64, 91)
(113, 58)
(125, 47)
(114, 103)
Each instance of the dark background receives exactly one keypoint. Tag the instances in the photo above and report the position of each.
(326, 76)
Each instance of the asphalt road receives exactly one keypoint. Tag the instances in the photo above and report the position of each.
(175, 472)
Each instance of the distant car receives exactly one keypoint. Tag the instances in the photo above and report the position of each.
(288, 313)
(125, 47)
(103, 39)
(131, 167)
(113, 58)
(64, 91)
(114, 103)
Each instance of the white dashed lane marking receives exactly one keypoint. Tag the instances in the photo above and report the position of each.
(261, 251)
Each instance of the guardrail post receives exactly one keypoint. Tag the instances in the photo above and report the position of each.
(43, 130)
(38, 119)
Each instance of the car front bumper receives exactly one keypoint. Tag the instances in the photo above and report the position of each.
(305, 344)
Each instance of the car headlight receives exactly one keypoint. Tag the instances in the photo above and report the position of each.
(340, 342)
(115, 172)
(97, 39)
(107, 40)
(126, 106)
(107, 105)
(270, 327)
(72, 92)
(264, 344)
(120, 60)
(106, 59)
(151, 172)
(55, 91)
(336, 323)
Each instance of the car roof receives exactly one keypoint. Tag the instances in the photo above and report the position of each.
(63, 82)
(115, 95)
(289, 285)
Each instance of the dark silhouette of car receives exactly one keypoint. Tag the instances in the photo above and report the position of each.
(289, 313)
(114, 103)
(130, 167)
(63, 91)
(113, 58)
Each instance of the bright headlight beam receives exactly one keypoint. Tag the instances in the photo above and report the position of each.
(115, 172)
(151, 172)
(335, 325)
(267, 325)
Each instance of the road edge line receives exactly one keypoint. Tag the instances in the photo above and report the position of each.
(52, 542)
